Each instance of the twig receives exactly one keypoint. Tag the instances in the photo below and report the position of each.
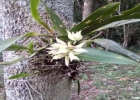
(29, 91)
(34, 89)
(100, 33)
(125, 43)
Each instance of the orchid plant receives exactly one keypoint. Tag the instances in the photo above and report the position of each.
(74, 44)
(68, 50)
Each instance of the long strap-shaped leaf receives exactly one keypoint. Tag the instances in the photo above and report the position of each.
(7, 43)
(115, 47)
(12, 62)
(16, 60)
(135, 9)
(97, 55)
(97, 16)
(118, 23)
(15, 47)
(35, 14)
(21, 75)
(133, 14)
(57, 22)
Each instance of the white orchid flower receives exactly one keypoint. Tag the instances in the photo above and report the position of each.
(74, 36)
(61, 49)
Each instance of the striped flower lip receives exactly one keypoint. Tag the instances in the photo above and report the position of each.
(67, 50)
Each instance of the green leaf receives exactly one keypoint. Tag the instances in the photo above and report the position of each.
(32, 34)
(118, 23)
(31, 47)
(135, 9)
(64, 37)
(35, 14)
(104, 57)
(21, 75)
(97, 16)
(12, 62)
(6, 43)
(15, 47)
(133, 14)
(57, 22)
(115, 47)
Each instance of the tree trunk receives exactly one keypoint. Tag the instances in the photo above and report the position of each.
(88, 8)
(17, 20)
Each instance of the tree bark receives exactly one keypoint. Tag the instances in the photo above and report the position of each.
(17, 20)
(88, 8)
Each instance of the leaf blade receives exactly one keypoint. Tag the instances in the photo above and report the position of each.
(57, 22)
(15, 47)
(35, 14)
(133, 14)
(104, 57)
(5, 44)
(97, 16)
(12, 61)
(21, 75)
(115, 47)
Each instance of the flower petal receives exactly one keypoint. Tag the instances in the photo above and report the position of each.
(59, 56)
(80, 45)
(51, 48)
(70, 35)
(62, 50)
(56, 45)
(78, 36)
(66, 60)
(72, 56)
(53, 52)
(70, 46)
(80, 50)
(75, 58)
(60, 41)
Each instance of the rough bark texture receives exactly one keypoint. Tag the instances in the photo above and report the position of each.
(88, 8)
(17, 20)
